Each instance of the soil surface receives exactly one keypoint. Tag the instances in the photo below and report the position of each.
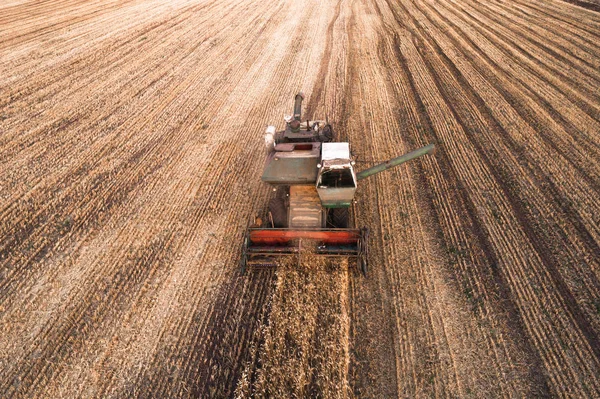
(131, 150)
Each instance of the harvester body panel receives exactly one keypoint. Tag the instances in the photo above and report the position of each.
(292, 163)
(305, 209)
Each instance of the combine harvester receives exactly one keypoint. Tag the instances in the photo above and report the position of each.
(315, 181)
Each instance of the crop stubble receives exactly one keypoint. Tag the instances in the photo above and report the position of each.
(130, 156)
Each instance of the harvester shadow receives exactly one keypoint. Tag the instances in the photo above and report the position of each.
(230, 335)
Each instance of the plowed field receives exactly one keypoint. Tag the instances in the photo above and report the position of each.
(130, 159)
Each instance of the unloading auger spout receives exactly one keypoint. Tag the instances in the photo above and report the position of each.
(427, 150)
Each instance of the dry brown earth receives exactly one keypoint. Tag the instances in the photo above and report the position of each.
(130, 161)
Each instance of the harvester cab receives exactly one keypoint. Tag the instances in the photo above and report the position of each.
(315, 182)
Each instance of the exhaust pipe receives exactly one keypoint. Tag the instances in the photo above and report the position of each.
(298, 106)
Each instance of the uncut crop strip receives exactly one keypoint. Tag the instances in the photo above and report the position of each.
(217, 360)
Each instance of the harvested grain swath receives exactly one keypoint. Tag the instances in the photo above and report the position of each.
(302, 349)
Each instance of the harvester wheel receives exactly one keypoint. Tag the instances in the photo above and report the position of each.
(365, 251)
(281, 192)
(243, 264)
(340, 217)
(244, 259)
(326, 134)
(362, 262)
(278, 212)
